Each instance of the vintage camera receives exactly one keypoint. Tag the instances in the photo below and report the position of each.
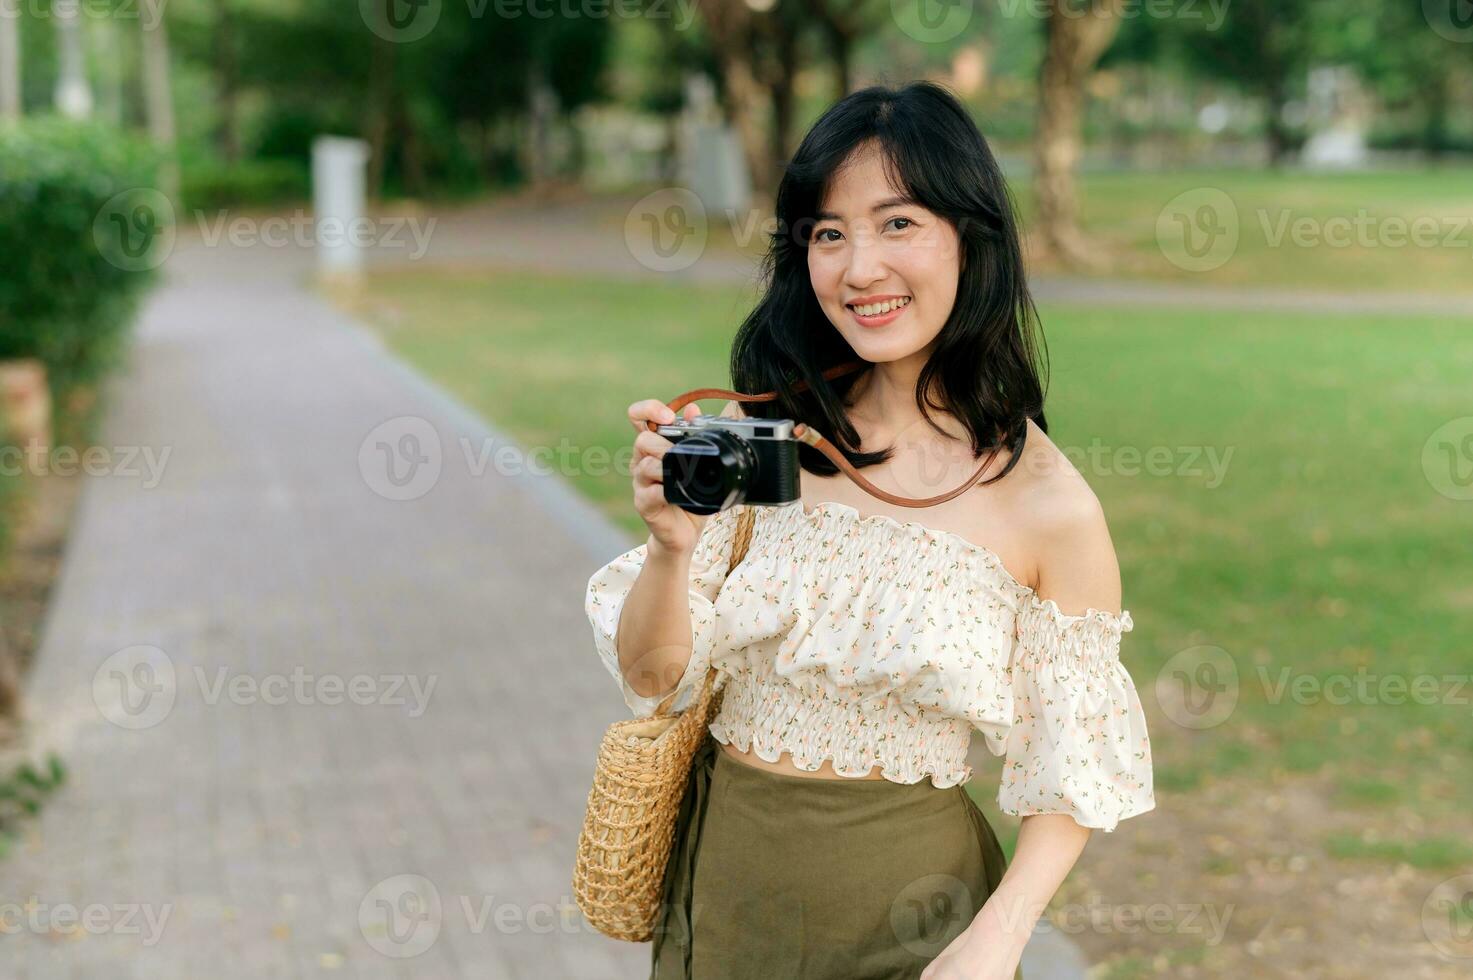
(718, 462)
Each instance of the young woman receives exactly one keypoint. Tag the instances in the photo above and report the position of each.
(829, 834)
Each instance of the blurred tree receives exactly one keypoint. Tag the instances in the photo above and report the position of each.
(9, 59)
(843, 23)
(446, 109)
(757, 46)
(227, 83)
(1412, 70)
(652, 59)
(158, 99)
(732, 27)
(1076, 33)
(1266, 46)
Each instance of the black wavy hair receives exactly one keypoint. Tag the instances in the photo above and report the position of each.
(985, 368)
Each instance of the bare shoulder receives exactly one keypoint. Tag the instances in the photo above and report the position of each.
(1066, 530)
(732, 410)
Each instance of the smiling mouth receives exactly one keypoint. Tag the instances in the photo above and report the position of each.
(881, 308)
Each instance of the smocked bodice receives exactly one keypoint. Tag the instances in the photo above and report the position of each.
(873, 642)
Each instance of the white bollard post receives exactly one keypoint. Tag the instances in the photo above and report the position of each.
(338, 165)
(711, 162)
(73, 94)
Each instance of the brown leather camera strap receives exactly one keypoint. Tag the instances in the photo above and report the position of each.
(806, 434)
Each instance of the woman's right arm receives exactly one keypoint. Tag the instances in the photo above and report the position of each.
(656, 637)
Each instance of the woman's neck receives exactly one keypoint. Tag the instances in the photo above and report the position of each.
(882, 402)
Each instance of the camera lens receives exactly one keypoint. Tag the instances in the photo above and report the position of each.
(709, 472)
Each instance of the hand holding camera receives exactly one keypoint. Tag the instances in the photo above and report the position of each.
(671, 529)
(688, 466)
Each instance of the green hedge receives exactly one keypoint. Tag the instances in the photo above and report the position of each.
(82, 231)
(249, 183)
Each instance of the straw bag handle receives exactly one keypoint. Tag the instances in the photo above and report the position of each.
(807, 434)
(740, 539)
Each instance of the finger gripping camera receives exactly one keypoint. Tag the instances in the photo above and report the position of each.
(717, 462)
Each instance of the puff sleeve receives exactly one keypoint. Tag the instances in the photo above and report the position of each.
(1078, 742)
(609, 586)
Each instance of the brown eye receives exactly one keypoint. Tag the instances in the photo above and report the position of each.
(907, 224)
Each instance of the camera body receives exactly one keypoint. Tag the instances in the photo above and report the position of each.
(717, 462)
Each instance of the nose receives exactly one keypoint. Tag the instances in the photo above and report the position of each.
(866, 262)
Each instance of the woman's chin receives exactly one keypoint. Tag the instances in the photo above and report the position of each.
(877, 349)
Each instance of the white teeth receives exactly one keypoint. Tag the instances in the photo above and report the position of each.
(874, 309)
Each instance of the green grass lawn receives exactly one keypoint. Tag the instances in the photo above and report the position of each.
(1120, 211)
(1123, 208)
(1321, 550)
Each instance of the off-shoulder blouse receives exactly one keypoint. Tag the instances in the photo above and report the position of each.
(868, 642)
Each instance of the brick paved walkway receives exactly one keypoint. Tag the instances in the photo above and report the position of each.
(259, 829)
(313, 730)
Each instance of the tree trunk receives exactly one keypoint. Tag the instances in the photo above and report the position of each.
(541, 113)
(9, 59)
(159, 102)
(112, 76)
(411, 151)
(1075, 38)
(1277, 134)
(729, 26)
(227, 80)
(376, 126)
(781, 86)
(10, 692)
(744, 98)
(841, 24)
(1437, 106)
(843, 72)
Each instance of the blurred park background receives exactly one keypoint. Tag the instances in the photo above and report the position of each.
(1250, 231)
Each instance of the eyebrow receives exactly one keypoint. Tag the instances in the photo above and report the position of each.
(890, 202)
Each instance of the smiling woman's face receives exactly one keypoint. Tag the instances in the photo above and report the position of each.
(884, 269)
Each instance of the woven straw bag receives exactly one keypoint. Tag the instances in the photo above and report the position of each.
(638, 783)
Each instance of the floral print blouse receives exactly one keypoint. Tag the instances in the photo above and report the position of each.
(871, 642)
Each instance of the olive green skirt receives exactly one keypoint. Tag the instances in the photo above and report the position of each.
(774, 876)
